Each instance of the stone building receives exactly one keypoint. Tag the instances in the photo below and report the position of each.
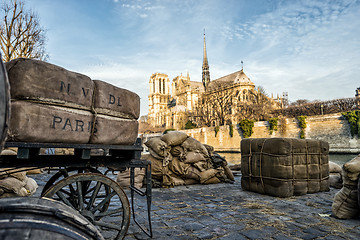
(158, 99)
(175, 109)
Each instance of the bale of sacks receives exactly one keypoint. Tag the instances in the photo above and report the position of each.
(52, 104)
(14, 182)
(177, 159)
(346, 202)
(283, 167)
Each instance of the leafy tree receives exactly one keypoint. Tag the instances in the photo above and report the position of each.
(190, 125)
(20, 32)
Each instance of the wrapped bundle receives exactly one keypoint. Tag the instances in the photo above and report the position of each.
(50, 84)
(114, 101)
(33, 122)
(114, 130)
(52, 104)
(284, 167)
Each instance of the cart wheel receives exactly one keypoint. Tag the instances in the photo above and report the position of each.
(66, 172)
(112, 223)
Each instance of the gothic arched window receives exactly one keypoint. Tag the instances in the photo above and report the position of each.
(159, 85)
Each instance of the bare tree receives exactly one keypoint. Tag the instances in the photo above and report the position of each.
(203, 113)
(20, 32)
(221, 99)
(318, 107)
(257, 106)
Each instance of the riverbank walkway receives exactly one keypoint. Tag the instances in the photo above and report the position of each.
(225, 211)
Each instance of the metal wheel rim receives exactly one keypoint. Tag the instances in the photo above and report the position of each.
(82, 204)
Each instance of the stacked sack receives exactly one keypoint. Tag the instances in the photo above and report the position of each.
(177, 159)
(335, 178)
(52, 104)
(346, 201)
(14, 183)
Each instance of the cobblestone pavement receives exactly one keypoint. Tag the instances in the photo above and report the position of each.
(225, 211)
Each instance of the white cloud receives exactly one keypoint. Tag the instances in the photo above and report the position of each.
(308, 48)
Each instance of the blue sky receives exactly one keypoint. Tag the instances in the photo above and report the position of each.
(310, 48)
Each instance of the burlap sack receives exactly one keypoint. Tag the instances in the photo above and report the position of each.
(160, 147)
(22, 193)
(10, 172)
(176, 180)
(345, 205)
(194, 157)
(123, 178)
(11, 184)
(178, 167)
(64, 151)
(156, 166)
(191, 144)
(203, 165)
(210, 149)
(190, 181)
(213, 180)
(283, 167)
(334, 167)
(114, 130)
(155, 155)
(34, 171)
(228, 173)
(192, 173)
(335, 180)
(114, 101)
(353, 166)
(41, 81)
(353, 176)
(207, 174)
(173, 138)
(30, 186)
(31, 122)
(178, 151)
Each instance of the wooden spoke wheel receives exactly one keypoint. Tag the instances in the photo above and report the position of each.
(86, 192)
(66, 172)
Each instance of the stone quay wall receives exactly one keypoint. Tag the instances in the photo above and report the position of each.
(332, 128)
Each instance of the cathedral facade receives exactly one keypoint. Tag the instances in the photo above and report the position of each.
(209, 101)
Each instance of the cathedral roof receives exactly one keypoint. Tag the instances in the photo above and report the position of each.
(228, 80)
(196, 86)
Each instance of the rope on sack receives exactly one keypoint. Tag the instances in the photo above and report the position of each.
(260, 172)
(307, 167)
(94, 112)
(249, 163)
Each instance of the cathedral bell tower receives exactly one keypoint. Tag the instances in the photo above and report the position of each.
(205, 68)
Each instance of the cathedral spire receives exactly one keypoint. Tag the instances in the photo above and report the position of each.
(205, 67)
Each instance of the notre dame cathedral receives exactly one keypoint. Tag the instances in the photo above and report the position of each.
(188, 98)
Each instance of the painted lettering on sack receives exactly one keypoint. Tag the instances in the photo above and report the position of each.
(76, 125)
(64, 87)
(92, 125)
(114, 100)
(85, 92)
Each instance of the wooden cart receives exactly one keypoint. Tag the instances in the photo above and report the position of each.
(77, 181)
